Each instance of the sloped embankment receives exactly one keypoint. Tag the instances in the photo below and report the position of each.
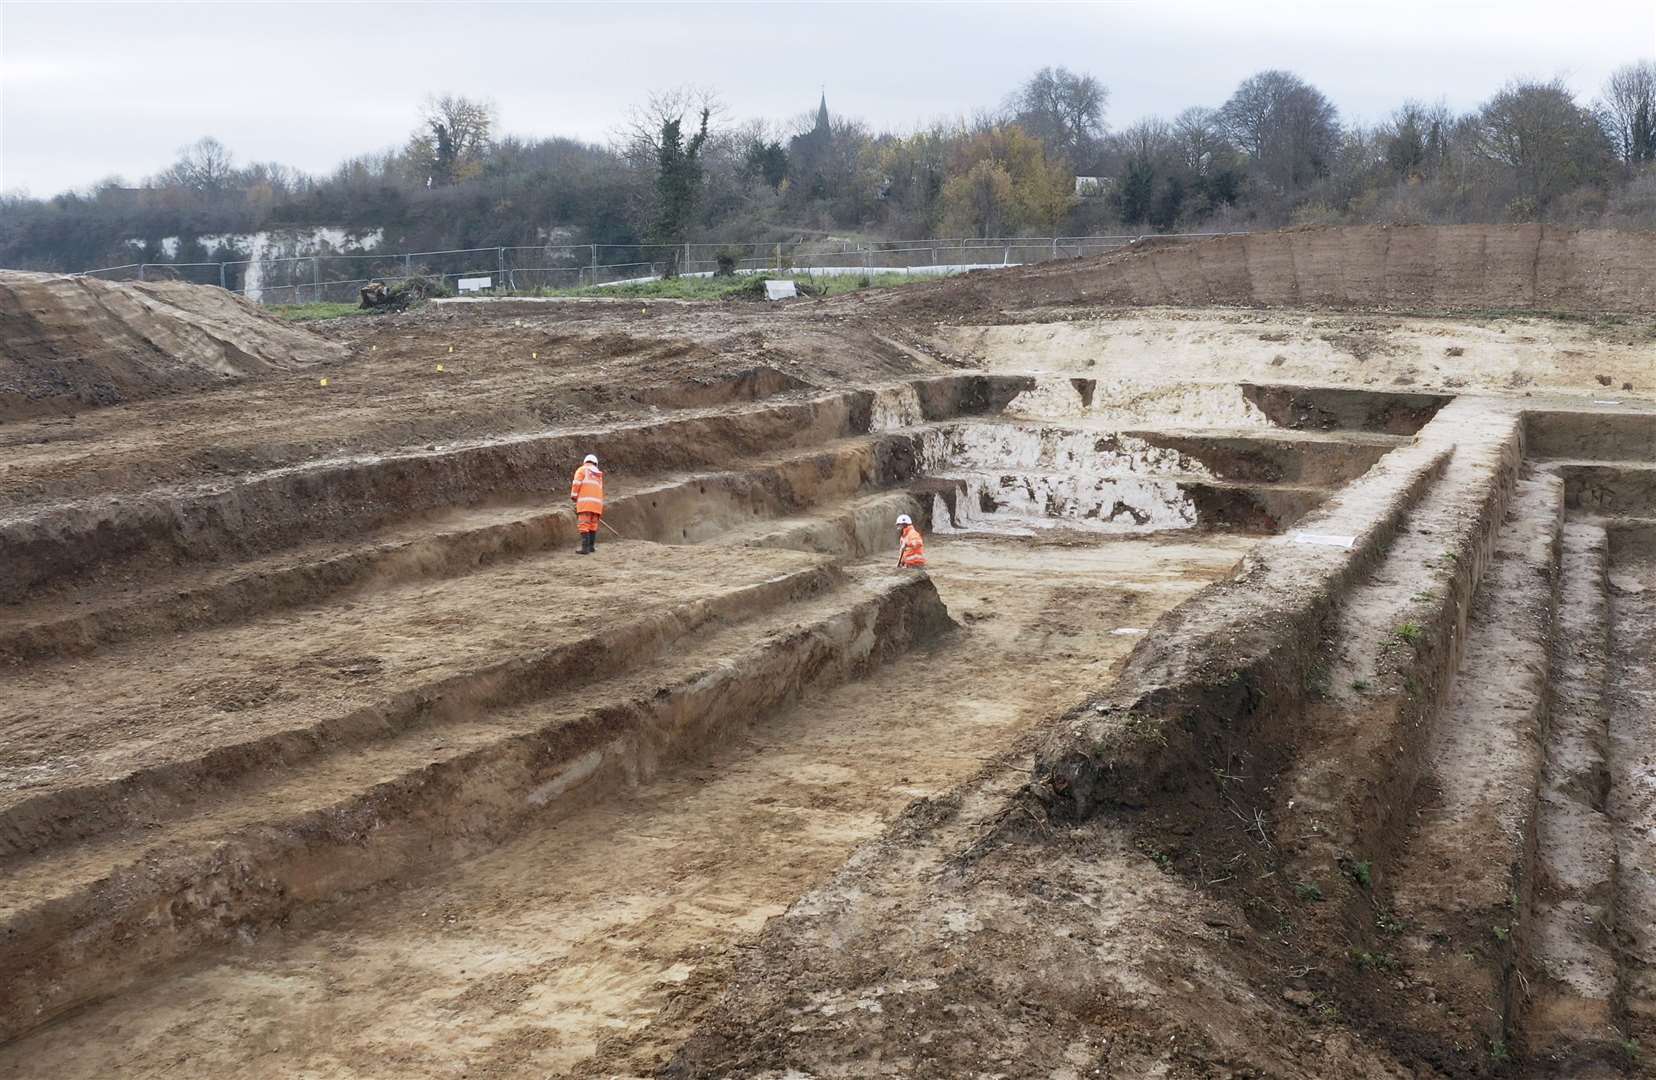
(1408, 267)
(68, 344)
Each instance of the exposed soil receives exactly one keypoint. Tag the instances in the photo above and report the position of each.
(531, 956)
(1276, 701)
(1400, 267)
(68, 344)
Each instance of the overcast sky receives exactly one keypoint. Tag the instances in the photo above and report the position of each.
(91, 90)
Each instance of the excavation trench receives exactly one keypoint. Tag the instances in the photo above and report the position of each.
(528, 955)
(290, 794)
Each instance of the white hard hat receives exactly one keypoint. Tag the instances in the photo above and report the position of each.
(904, 519)
(590, 459)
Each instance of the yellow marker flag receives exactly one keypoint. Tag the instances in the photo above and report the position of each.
(534, 356)
(322, 382)
(439, 367)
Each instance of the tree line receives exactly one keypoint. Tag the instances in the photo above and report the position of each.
(1045, 161)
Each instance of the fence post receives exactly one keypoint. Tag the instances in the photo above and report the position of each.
(500, 261)
(224, 281)
(141, 270)
(408, 266)
(316, 278)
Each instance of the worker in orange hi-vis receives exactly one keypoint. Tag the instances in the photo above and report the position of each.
(911, 548)
(586, 491)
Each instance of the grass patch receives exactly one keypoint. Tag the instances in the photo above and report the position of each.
(312, 312)
(742, 287)
(1362, 872)
(1163, 860)
(1410, 632)
(1375, 961)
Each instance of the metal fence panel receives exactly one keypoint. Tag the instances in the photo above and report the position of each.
(529, 270)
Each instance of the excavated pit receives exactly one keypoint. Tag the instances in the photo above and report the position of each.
(1239, 723)
(234, 800)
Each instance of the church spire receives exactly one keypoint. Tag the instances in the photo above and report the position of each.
(822, 113)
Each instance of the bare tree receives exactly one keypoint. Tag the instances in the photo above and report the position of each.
(1199, 140)
(205, 166)
(1550, 143)
(639, 138)
(654, 144)
(1063, 109)
(1289, 129)
(1629, 111)
(1415, 142)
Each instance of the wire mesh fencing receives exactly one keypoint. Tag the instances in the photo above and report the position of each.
(339, 276)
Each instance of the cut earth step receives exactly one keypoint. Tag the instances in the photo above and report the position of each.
(151, 728)
(1461, 887)
(1568, 1020)
(530, 958)
(84, 919)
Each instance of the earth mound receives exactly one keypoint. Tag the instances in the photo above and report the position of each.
(68, 344)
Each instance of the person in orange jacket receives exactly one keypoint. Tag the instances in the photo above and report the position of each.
(911, 547)
(586, 491)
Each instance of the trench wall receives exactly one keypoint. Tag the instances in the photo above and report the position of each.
(1448, 267)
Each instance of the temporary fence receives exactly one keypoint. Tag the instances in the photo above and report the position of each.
(298, 279)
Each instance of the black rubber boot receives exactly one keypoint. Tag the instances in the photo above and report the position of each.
(586, 544)
(592, 542)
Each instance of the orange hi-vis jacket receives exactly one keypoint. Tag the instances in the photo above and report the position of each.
(587, 489)
(914, 548)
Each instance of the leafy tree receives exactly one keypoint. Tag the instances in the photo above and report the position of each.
(679, 179)
(767, 161)
(1169, 204)
(913, 171)
(979, 202)
(1136, 191)
(1042, 189)
(452, 140)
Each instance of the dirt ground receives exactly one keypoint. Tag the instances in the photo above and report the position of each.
(69, 344)
(879, 869)
(532, 958)
(1518, 355)
(516, 368)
